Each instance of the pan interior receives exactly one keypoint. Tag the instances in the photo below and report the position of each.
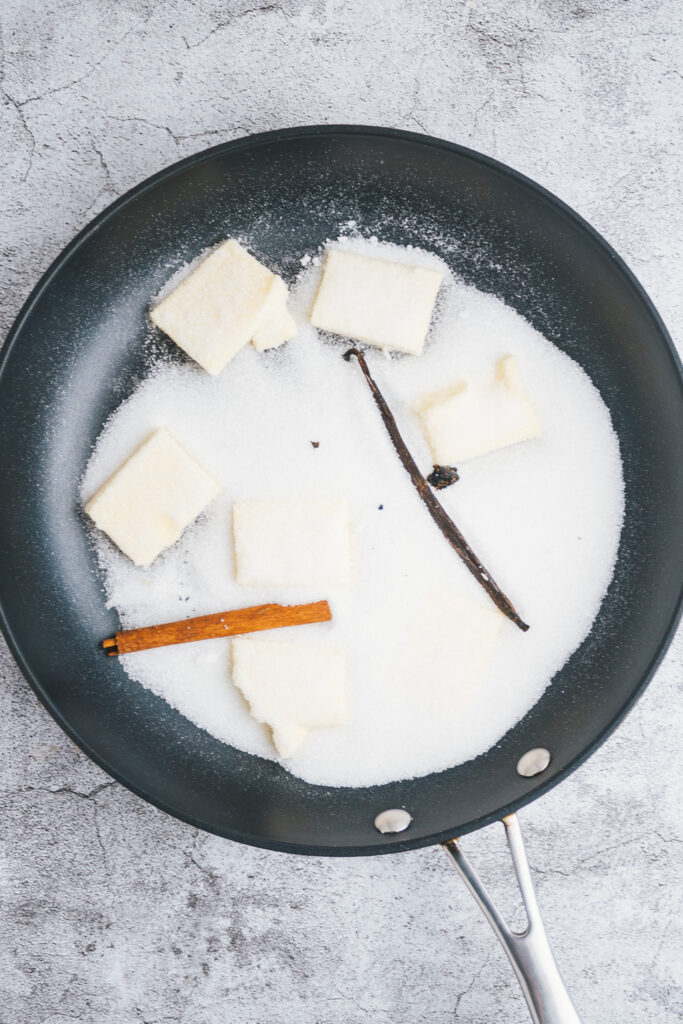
(76, 353)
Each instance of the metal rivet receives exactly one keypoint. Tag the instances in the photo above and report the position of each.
(533, 762)
(394, 820)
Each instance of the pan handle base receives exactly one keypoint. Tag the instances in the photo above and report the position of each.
(529, 951)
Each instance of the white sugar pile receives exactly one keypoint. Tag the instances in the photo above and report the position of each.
(544, 516)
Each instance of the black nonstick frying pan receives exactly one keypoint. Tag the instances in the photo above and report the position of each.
(78, 349)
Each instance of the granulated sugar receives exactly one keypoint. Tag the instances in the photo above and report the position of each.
(544, 516)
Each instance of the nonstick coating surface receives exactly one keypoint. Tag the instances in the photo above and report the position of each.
(77, 350)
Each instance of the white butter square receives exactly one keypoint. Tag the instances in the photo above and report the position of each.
(475, 418)
(376, 301)
(274, 306)
(216, 310)
(292, 542)
(447, 649)
(147, 503)
(290, 686)
(460, 631)
(275, 333)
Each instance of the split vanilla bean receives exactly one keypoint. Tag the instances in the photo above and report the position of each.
(435, 509)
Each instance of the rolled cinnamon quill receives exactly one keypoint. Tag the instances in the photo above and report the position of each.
(208, 627)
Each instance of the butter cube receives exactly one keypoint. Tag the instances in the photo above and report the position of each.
(217, 309)
(376, 301)
(290, 686)
(448, 647)
(275, 304)
(279, 330)
(475, 418)
(151, 498)
(460, 631)
(292, 542)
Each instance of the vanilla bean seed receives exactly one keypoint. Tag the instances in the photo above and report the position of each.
(442, 476)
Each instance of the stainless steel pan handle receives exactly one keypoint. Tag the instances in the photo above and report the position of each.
(529, 951)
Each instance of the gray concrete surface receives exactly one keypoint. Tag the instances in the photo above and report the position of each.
(112, 913)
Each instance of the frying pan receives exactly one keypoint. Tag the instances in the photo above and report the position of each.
(78, 348)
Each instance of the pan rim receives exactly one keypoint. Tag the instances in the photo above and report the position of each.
(393, 845)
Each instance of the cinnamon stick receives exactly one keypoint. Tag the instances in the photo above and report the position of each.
(207, 627)
(435, 509)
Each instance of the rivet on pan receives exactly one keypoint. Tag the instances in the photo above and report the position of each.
(394, 820)
(533, 762)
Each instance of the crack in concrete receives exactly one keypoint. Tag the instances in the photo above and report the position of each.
(413, 107)
(662, 938)
(231, 21)
(666, 839)
(98, 834)
(150, 124)
(178, 139)
(104, 165)
(207, 872)
(63, 789)
(590, 858)
(473, 981)
(550, 871)
(81, 78)
(599, 853)
(109, 188)
(477, 112)
(608, 849)
(24, 123)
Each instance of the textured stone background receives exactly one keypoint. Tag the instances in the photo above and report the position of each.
(113, 913)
